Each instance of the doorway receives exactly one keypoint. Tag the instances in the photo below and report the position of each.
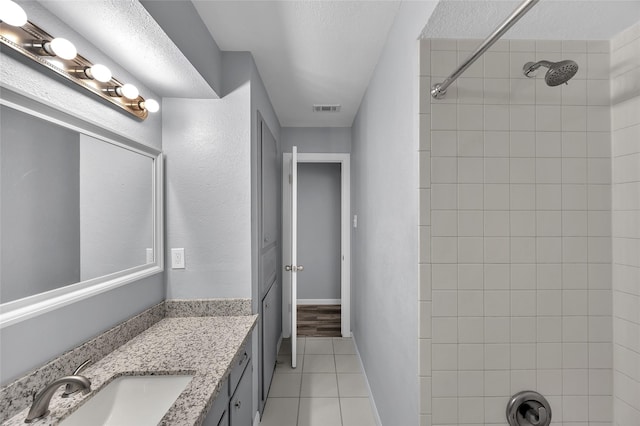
(314, 164)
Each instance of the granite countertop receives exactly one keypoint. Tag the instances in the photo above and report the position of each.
(203, 346)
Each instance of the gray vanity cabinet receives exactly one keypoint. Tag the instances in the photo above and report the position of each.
(234, 404)
(271, 330)
(268, 295)
(218, 410)
(240, 405)
(224, 421)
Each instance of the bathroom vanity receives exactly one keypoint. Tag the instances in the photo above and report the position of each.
(197, 338)
(232, 406)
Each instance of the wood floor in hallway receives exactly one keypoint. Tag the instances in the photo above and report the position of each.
(319, 320)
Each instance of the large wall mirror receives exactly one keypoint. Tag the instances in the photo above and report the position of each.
(80, 209)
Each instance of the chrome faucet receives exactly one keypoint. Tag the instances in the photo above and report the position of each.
(72, 388)
(40, 406)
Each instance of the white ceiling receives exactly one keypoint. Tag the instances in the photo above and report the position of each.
(126, 33)
(549, 19)
(307, 52)
(316, 51)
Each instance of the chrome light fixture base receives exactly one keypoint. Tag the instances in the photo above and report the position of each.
(30, 41)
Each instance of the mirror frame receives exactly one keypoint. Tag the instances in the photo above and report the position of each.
(31, 306)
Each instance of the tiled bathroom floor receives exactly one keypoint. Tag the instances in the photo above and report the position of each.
(326, 389)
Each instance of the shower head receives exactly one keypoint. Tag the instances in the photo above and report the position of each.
(559, 72)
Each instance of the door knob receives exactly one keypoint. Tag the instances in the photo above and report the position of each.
(294, 268)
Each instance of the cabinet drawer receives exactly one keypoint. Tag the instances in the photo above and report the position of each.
(240, 365)
(240, 405)
(218, 410)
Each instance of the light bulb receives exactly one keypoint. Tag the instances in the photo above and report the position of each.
(99, 72)
(129, 91)
(151, 105)
(61, 47)
(12, 14)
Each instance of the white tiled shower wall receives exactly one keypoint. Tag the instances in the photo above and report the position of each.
(515, 232)
(625, 78)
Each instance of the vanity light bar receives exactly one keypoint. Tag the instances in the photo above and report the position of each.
(59, 55)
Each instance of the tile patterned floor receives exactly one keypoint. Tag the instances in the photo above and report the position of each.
(326, 389)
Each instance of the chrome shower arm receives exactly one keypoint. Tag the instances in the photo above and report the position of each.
(533, 66)
(440, 89)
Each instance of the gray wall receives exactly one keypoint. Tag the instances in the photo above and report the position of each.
(319, 230)
(31, 343)
(196, 44)
(212, 155)
(211, 158)
(316, 139)
(385, 244)
(208, 195)
(39, 187)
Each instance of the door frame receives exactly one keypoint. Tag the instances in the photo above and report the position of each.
(344, 159)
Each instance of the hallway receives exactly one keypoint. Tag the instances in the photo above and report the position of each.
(326, 389)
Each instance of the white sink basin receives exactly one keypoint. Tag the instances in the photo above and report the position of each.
(130, 400)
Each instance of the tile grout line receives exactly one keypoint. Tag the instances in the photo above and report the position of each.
(333, 348)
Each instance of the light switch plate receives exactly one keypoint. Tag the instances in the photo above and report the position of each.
(177, 258)
(149, 255)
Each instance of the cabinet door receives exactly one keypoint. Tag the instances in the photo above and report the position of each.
(219, 408)
(238, 369)
(240, 406)
(270, 332)
(224, 421)
(270, 175)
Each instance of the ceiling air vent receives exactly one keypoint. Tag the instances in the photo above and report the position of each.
(326, 108)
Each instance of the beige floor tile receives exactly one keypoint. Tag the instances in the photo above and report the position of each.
(352, 385)
(285, 386)
(356, 412)
(319, 364)
(283, 364)
(343, 346)
(280, 412)
(301, 343)
(319, 346)
(319, 385)
(347, 364)
(319, 412)
(285, 345)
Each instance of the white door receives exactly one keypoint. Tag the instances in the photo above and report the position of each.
(289, 212)
(293, 268)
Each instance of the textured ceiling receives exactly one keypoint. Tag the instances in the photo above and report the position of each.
(549, 19)
(307, 52)
(125, 32)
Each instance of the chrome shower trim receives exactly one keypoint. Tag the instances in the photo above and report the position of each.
(439, 90)
(558, 73)
(530, 67)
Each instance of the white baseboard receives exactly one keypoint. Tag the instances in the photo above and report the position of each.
(374, 408)
(319, 301)
(256, 419)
